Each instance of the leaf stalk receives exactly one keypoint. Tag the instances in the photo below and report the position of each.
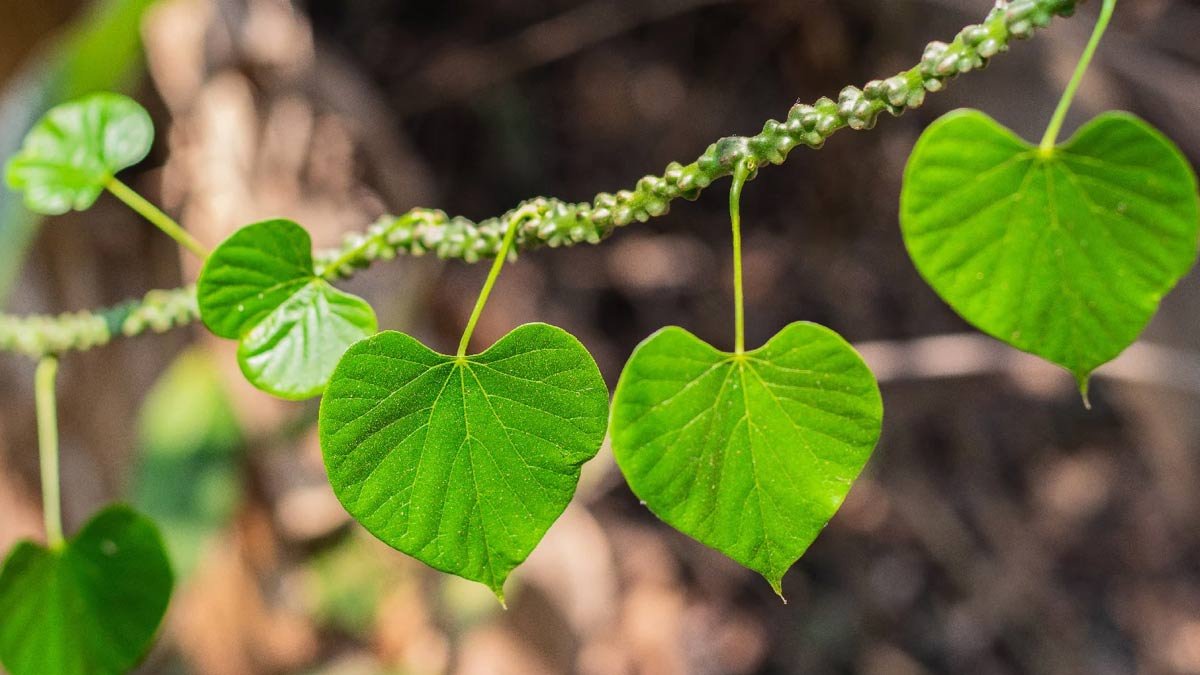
(514, 224)
(1046, 148)
(740, 174)
(155, 215)
(47, 423)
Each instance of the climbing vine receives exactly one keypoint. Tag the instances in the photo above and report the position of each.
(464, 460)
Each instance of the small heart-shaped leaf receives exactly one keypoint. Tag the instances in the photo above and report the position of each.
(463, 462)
(259, 287)
(76, 148)
(751, 453)
(91, 607)
(1064, 254)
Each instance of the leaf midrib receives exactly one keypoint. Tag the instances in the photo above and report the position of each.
(458, 367)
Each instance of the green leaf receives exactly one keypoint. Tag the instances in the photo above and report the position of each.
(1065, 255)
(89, 608)
(750, 454)
(259, 287)
(76, 148)
(462, 463)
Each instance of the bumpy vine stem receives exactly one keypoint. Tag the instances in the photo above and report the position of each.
(157, 311)
(557, 223)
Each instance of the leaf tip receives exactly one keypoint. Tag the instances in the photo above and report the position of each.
(776, 582)
(1083, 380)
(496, 586)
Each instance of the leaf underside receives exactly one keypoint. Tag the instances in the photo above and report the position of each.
(752, 454)
(1065, 256)
(91, 608)
(462, 463)
(76, 148)
(259, 287)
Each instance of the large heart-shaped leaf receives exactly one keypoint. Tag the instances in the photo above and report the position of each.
(1063, 254)
(462, 462)
(751, 454)
(259, 287)
(91, 607)
(76, 148)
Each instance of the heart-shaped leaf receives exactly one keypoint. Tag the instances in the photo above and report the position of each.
(91, 607)
(751, 454)
(462, 462)
(1063, 254)
(76, 148)
(259, 287)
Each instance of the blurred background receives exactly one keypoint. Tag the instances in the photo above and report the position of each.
(999, 528)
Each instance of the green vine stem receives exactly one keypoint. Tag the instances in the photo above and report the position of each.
(47, 424)
(1064, 104)
(741, 174)
(155, 215)
(556, 223)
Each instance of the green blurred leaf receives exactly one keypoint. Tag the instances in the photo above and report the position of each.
(1065, 256)
(462, 463)
(259, 287)
(347, 582)
(750, 454)
(188, 473)
(100, 51)
(90, 608)
(103, 51)
(76, 148)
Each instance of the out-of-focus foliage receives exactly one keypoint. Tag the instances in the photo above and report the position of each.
(101, 51)
(89, 607)
(75, 150)
(187, 475)
(346, 582)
